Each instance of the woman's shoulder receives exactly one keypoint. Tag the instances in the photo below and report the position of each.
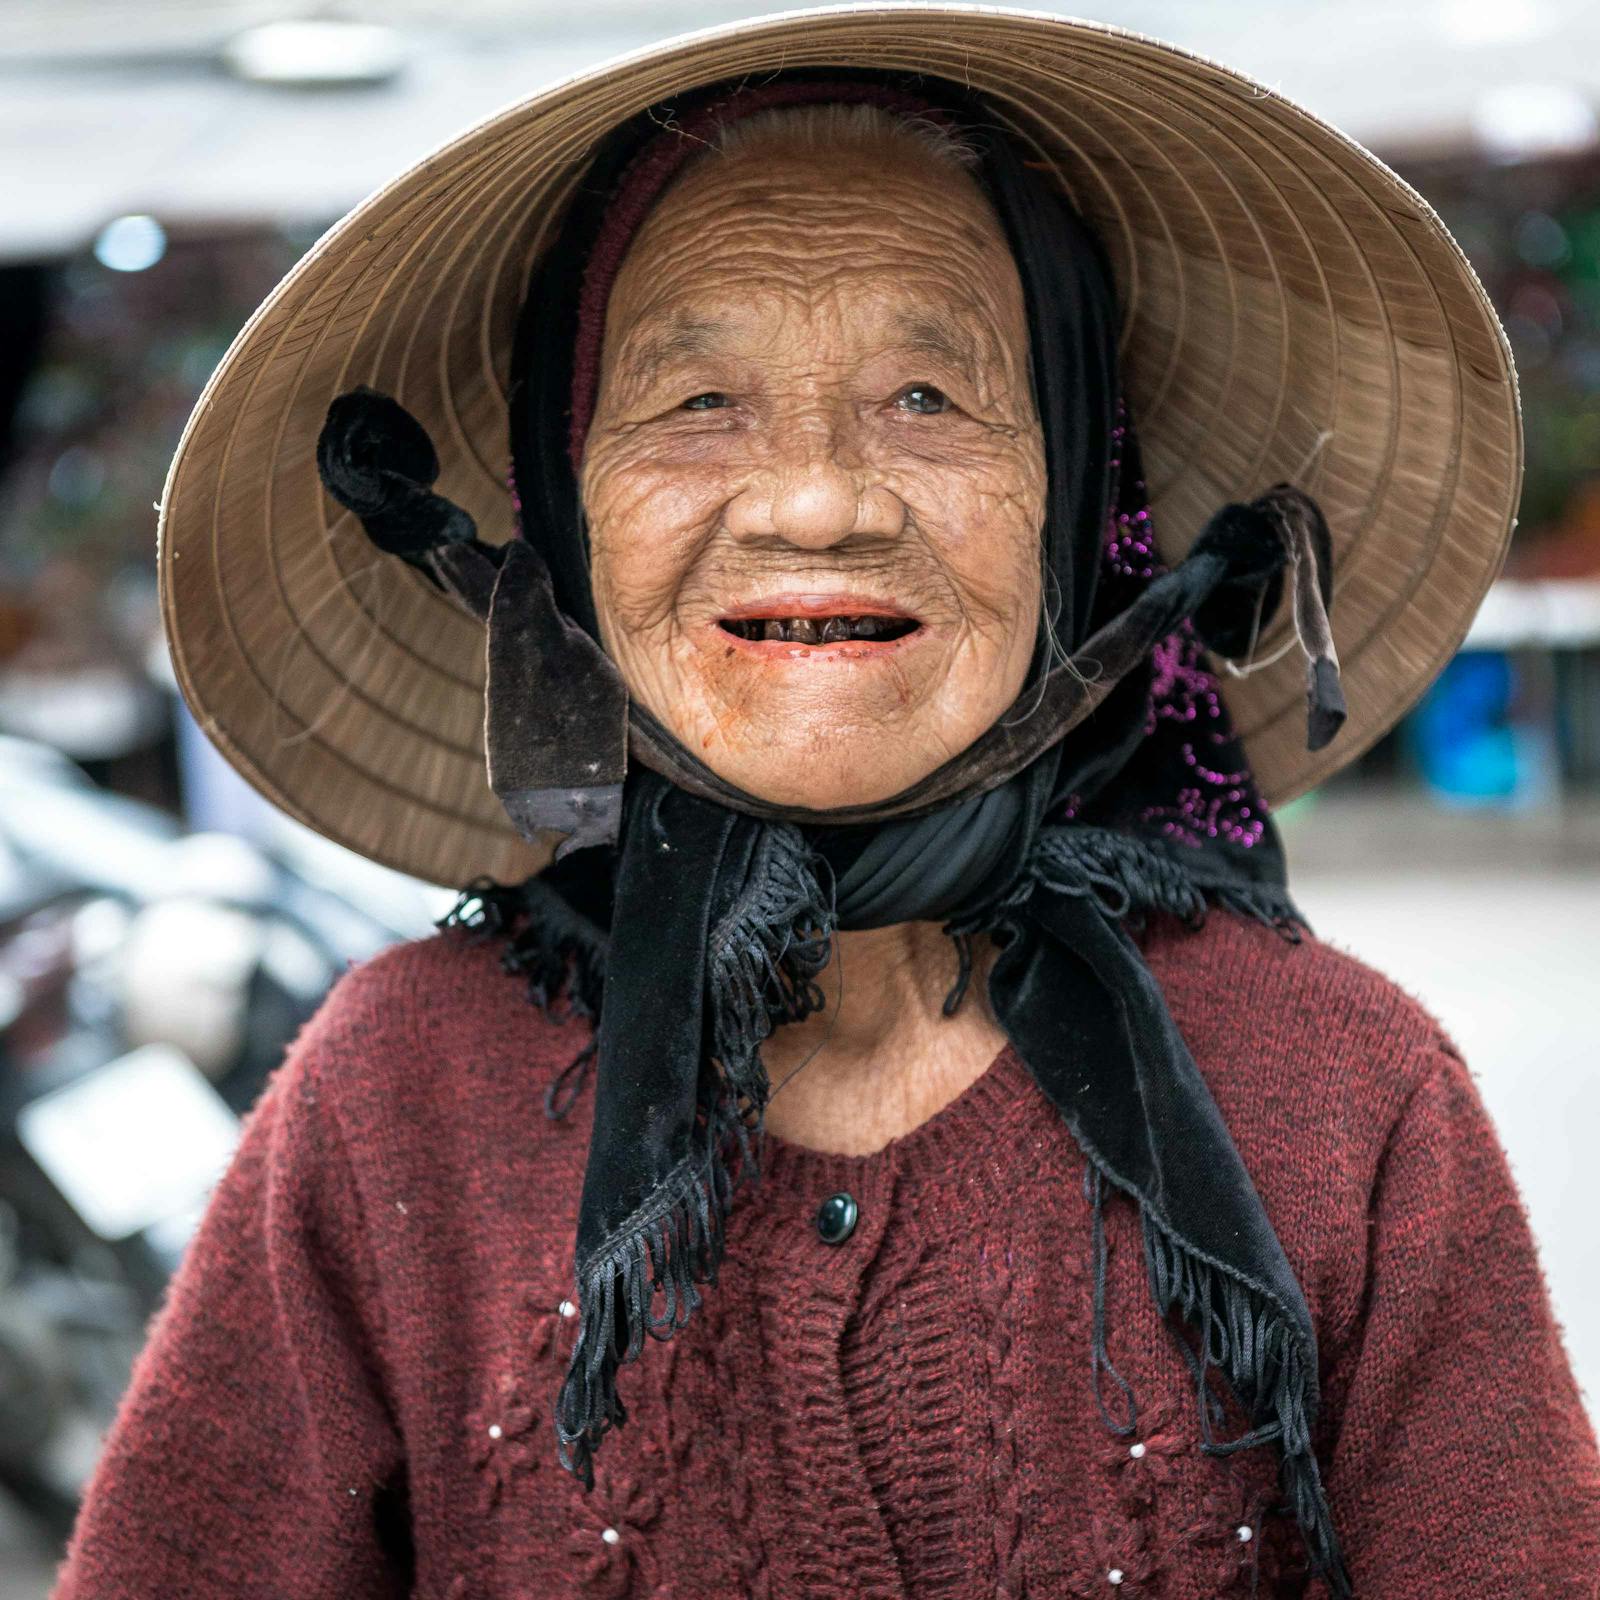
(432, 1025)
(1310, 1010)
(1311, 1053)
(1315, 1059)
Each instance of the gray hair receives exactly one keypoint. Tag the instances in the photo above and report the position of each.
(828, 125)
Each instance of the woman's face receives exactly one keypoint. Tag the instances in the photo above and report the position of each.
(815, 478)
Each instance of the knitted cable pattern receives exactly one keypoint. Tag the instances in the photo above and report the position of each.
(731, 1407)
(897, 1358)
(1005, 1373)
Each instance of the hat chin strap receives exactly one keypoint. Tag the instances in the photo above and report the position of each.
(559, 724)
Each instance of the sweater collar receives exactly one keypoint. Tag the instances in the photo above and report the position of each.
(940, 1155)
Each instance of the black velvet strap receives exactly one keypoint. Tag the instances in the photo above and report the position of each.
(1236, 560)
(557, 709)
(557, 713)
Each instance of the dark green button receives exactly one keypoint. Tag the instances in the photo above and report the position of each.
(836, 1218)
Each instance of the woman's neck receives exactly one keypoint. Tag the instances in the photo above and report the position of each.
(881, 1057)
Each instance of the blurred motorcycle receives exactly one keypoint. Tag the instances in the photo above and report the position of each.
(149, 983)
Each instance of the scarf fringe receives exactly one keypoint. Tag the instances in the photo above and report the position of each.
(1243, 1331)
(670, 1245)
(1248, 1335)
(1132, 876)
(558, 951)
(764, 957)
(1262, 903)
(1124, 873)
(763, 960)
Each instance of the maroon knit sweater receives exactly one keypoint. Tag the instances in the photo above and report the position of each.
(348, 1390)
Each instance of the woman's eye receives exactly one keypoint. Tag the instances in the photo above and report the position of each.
(924, 399)
(712, 400)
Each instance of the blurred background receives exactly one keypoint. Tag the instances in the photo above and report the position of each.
(163, 932)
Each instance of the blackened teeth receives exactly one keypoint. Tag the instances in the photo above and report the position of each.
(819, 630)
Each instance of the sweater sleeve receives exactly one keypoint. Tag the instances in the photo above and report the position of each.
(253, 1456)
(1464, 1461)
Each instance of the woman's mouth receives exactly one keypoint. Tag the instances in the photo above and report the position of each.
(839, 628)
(801, 625)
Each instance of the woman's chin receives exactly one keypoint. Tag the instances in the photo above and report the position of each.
(849, 772)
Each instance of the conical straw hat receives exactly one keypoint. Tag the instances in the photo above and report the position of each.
(1293, 310)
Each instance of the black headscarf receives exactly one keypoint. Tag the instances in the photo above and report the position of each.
(691, 918)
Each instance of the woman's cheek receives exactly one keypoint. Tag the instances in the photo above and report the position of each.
(984, 529)
(643, 544)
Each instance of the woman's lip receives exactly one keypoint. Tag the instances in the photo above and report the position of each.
(815, 605)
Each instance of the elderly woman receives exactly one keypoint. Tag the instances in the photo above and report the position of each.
(980, 1180)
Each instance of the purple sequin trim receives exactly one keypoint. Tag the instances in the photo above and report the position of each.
(1216, 797)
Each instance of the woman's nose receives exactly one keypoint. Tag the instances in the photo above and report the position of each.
(815, 502)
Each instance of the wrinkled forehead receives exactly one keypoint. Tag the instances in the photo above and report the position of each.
(860, 245)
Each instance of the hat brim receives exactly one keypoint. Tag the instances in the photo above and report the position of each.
(1293, 309)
